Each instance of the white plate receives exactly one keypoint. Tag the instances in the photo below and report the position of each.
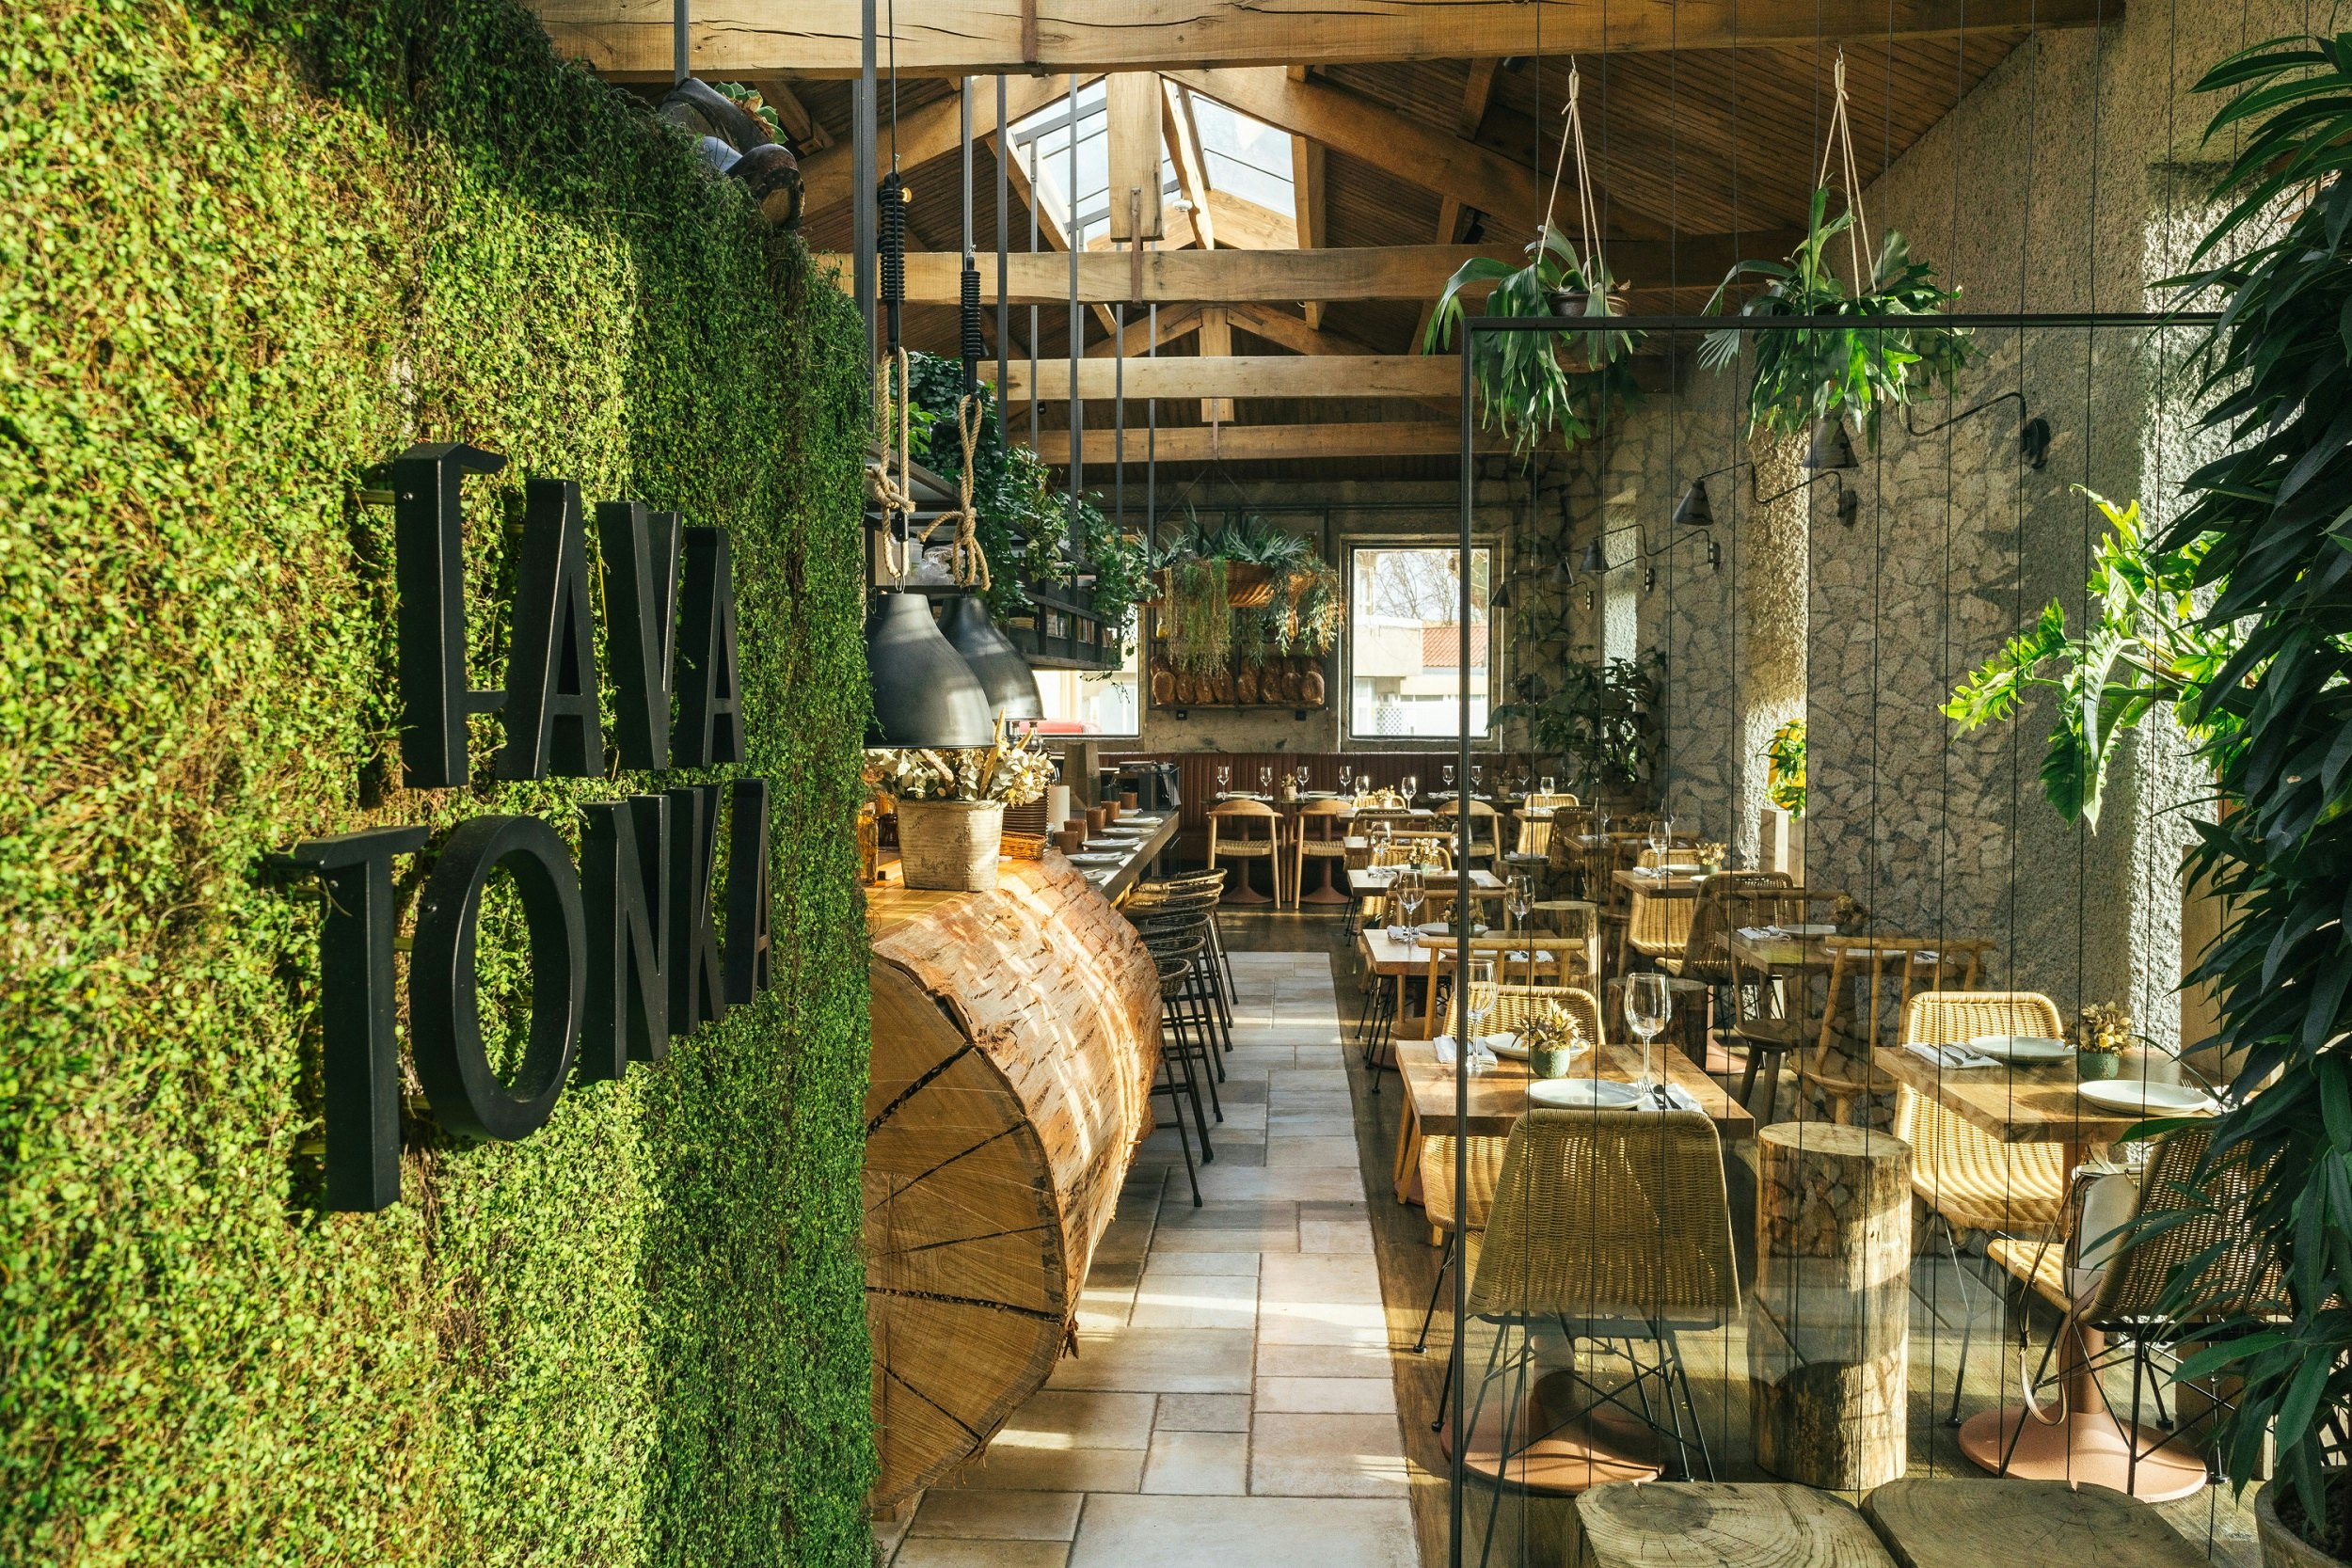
(1822, 928)
(1505, 1046)
(1437, 928)
(1098, 860)
(2137, 1097)
(2022, 1050)
(1583, 1094)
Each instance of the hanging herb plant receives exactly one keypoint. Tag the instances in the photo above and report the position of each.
(1525, 383)
(1810, 374)
(1197, 620)
(1294, 607)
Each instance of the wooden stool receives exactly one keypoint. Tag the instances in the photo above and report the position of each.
(1979, 1522)
(1829, 1321)
(1666, 1523)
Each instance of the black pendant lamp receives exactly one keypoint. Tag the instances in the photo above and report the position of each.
(1695, 510)
(1831, 449)
(925, 694)
(1005, 676)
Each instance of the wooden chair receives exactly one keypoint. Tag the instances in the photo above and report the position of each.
(1533, 959)
(1967, 1179)
(1613, 1226)
(1485, 833)
(1770, 1019)
(1233, 836)
(1320, 835)
(1838, 1066)
(1534, 836)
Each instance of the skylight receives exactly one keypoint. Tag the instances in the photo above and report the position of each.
(1244, 158)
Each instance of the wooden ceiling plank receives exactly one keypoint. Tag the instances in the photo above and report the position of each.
(1307, 198)
(1476, 95)
(933, 131)
(1242, 225)
(1192, 170)
(730, 40)
(1278, 375)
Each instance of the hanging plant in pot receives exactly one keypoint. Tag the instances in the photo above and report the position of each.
(1807, 375)
(1532, 383)
(951, 806)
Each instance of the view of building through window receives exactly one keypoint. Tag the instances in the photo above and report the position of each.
(1405, 645)
(1089, 702)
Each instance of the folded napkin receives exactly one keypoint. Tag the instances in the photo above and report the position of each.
(1681, 1098)
(1951, 1058)
(1757, 933)
(1480, 1058)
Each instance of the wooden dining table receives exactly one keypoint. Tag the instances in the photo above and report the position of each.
(1497, 1097)
(2092, 1446)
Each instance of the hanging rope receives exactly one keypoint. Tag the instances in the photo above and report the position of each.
(885, 476)
(1840, 141)
(1587, 214)
(966, 561)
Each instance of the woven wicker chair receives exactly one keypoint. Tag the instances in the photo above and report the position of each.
(1707, 950)
(1615, 1226)
(1530, 956)
(1233, 836)
(2205, 1226)
(1319, 834)
(1967, 1179)
(1486, 835)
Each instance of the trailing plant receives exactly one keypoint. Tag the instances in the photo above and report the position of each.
(2148, 646)
(1814, 374)
(1301, 618)
(2269, 526)
(1525, 382)
(1783, 761)
(1197, 621)
(1599, 719)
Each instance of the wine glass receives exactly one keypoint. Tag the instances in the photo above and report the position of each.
(1518, 896)
(1363, 784)
(1406, 889)
(1447, 773)
(1410, 787)
(1648, 1006)
(1548, 783)
(1478, 778)
(1266, 780)
(1482, 1003)
(1224, 782)
(1302, 778)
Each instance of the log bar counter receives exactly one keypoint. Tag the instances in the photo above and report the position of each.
(1016, 1034)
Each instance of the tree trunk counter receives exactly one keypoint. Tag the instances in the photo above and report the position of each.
(1015, 1036)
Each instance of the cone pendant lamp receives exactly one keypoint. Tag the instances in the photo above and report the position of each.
(925, 694)
(1003, 674)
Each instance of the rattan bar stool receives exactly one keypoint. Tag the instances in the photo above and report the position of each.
(1199, 882)
(1172, 972)
(1195, 910)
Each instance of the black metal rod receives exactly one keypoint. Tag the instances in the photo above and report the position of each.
(1003, 255)
(1071, 237)
(862, 176)
(1481, 326)
(1458, 1481)
(679, 65)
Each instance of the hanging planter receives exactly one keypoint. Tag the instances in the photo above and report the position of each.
(1532, 383)
(1805, 377)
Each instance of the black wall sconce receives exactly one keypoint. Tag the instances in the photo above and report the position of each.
(2033, 432)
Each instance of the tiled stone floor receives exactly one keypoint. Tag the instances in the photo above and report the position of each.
(1230, 1402)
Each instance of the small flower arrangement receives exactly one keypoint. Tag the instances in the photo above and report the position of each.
(1712, 855)
(1553, 1038)
(1012, 771)
(1847, 916)
(2103, 1030)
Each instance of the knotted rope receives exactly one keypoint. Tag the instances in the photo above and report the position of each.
(888, 489)
(1839, 140)
(966, 561)
(1588, 211)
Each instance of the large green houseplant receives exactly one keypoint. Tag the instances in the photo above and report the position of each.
(1600, 720)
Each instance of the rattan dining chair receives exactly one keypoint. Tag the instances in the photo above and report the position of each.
(1768, 1014)
(1839, 1070)
(1234, 836)
(1614, 1226)
(2184, 1263)
(1485, 833)
(1967, 1179)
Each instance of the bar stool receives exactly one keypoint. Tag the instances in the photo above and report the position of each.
(1172, 970)
(1321, 835)
(1233, 835)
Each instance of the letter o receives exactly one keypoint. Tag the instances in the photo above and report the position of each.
(444, 1021)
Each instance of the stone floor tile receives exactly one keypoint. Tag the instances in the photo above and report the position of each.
(1243, 1533)
(1160, 1360)
(1326, 1395)
(1027, 1469)
(1080, 1418)
(1357, 1360)
(1176, 1213)
(1266, 1239)
(1202, 1413)
(1198, 1463)
(1197, 1300)
(1221, 1183)
(1322, 1324)
(997, 1515)
(939, 1552)
(1334, 1236)
(1333, 1151)
(1326, 1456)
(1344, 1278)
(1162, 1265)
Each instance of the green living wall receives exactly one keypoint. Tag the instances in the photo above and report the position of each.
(246, 253)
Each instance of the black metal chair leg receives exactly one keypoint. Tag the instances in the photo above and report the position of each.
(1445, 1261)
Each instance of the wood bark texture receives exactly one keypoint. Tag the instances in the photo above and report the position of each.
(1701, 1524)
(1828, 1331)
(1984, 1522)
(1015, 1035)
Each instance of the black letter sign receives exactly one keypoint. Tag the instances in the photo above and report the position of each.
(641, 562)
(696, 997)
(552, 718)
(429, 562)
(362, 1056)
(625, 871)
(750, 969)
(442, 1017)
(710, 703)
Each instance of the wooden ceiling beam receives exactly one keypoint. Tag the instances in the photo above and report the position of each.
(1254, 375)
(731, 39)
(1242, 225)
(1274, 443)
(1176, 321)
(1308, 205)
(1476, 95)
(1049, 230)
(933, 131)
(1232, 276)
(1192, 170)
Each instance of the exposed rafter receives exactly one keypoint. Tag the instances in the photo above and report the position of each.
(1279, 442)
(631, 41)
(1192, 170)
(931, 131)
(1307, 202)
(1227, 377)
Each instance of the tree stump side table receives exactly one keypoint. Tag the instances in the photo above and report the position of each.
(1829, 1320)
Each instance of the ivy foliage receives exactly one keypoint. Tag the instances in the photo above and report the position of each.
(246, 254)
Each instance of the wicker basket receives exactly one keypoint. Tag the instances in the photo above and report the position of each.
(951, 845)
